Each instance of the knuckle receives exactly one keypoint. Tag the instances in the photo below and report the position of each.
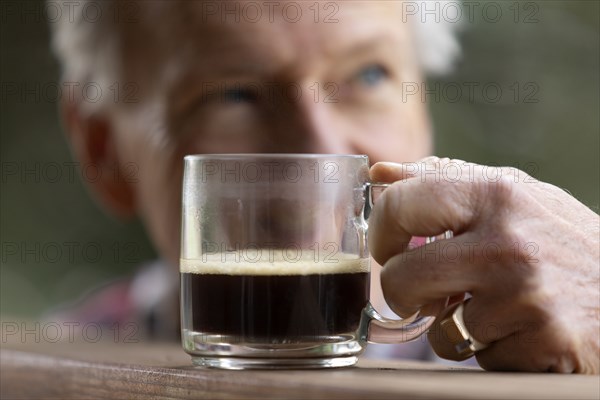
(498, 187)
(503, 190)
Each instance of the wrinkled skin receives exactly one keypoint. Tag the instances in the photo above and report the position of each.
(526, 251)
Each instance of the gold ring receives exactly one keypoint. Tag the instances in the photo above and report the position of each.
(450, 337)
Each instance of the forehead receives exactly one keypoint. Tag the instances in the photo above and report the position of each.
(284, 37)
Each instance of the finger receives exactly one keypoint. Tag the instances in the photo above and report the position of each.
(524, 351)
(386, 172)
(486, 321)
(507, 355)
(424, 275)
(414, 207)
(450, 268)
(391, 172)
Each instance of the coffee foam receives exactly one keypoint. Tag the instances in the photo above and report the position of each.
(274, 262)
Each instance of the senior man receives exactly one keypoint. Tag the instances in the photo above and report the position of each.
(210, 79)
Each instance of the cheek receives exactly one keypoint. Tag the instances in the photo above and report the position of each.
(142, 140)
(159, 200)
(400, 133)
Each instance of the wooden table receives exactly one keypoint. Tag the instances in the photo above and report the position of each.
(151, 370)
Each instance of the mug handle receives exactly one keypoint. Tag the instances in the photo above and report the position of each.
(374, 327)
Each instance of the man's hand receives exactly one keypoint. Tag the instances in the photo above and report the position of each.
(526, 251)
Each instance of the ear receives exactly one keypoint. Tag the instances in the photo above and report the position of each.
(93, 142)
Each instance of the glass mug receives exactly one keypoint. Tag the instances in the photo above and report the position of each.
(275, 264)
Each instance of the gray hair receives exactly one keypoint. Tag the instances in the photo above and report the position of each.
(85, 49)
(436, 41)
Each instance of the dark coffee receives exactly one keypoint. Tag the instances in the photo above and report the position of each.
(281, 308)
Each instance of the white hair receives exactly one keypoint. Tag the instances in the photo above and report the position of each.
(87, 50)
(436, 40)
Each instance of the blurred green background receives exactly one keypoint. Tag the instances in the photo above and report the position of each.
(544, 56)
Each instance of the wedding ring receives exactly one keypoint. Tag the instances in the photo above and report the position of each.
(450, 337)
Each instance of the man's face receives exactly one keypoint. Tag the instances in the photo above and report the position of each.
(263, 85)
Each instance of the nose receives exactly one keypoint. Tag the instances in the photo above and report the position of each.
(305, 124)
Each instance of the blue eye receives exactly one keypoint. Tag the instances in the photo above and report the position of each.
(372, 75)
(239, 96)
